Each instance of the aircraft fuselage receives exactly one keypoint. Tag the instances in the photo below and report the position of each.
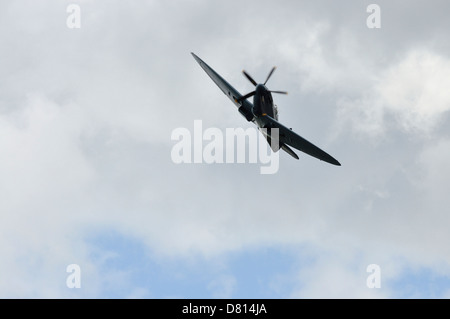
(263, 102)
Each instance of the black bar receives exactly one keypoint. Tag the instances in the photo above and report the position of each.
(222, 308)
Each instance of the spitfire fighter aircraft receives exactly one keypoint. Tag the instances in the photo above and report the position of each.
(264, 114)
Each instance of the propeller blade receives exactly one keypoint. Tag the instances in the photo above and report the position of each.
(279, 92)
(270, 74)
(246, 96)
(249, 77)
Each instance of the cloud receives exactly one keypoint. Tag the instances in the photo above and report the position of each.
(415, 90)
(85, 122)
(412, 93)
(337, 277)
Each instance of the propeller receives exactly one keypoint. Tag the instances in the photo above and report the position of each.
(246, 96)
(270, 74)
(248, 76)
(279, 92)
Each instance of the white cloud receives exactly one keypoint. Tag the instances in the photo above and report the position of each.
(335, 278)
(416, 89)
(412, 91)
(85, 123)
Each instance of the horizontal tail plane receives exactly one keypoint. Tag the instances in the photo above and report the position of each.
(288, 150)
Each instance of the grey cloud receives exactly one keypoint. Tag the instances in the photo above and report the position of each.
(86, 117)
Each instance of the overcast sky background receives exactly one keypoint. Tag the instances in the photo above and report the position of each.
(86, 176)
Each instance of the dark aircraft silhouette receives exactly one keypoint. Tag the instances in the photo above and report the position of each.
(265, 115)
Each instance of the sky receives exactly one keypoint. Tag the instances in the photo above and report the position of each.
(87, 178)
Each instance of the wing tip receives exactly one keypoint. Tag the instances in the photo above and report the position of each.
(334, 162)
(196, 58)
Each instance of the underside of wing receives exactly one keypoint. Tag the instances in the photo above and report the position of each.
(289, 137)
(245, 107)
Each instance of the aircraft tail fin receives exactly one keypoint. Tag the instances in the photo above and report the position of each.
(266, 133)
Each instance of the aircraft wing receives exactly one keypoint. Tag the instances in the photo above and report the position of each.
(289, 137)
(244, 107)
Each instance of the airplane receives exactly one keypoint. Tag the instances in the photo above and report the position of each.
(264, 114)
